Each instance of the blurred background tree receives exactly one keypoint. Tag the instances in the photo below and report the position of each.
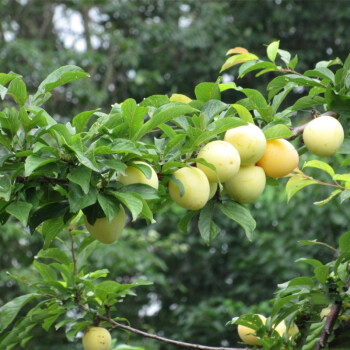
(136, 48)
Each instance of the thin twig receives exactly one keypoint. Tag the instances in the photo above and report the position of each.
(288, 70)
(153, 336)
(70, 228)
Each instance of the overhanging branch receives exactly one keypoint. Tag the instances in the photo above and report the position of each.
(153, 336)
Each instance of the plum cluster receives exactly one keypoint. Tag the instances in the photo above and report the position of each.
(240, 162)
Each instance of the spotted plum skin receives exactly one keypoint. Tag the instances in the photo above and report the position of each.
(96, 338)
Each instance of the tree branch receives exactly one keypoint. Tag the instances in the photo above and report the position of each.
(330, 321)
(54, 180)
(153, 336)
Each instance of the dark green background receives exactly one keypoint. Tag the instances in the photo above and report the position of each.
(135, 49)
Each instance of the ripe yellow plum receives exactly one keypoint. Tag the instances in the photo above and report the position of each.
(247, 334)
(213, 186)
(107, 232)
(293, 329)
(279, 159)
(250, 142)
(223, 156)
(96, 338)
(195, 185)
(323, 136)
(281, 328)
(247, 185)
(136, 176)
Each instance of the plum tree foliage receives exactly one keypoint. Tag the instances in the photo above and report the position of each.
(103, 169)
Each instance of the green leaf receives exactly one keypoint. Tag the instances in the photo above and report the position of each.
(227, 86)
(243, 113)
(81, 119)
(213, 108)
(279, 131)
(321, 273)
(344, 196)
(46, 272)
(329, 198)
(307, 102)
(155, 101)
(337, 103)
(132, 202)
(174, 142)
(292, 64)
(5, 188)
(34, 162)
(20, 210)
(207, 91)
(321, 72)
(237, 59)
(80, 200)
(296, 183)
(344, 81)
(51, 228)
(179, 184)
(185, 221)
(253, 65)
(315, 242)
(5, 78)
(61, 76)
(207, 227)
(18, 90)
(312, 262)
(258, 102)
(109, 205)
(133, 115)
(46, 212)
(3, 92)
(163, 115)
(81, 175)
(272, 49)
(239, 214)
(342, 177)
(319, 165)
(147, 192)
(285, 56)
(55, 254)
(10, 310)
(344, 242)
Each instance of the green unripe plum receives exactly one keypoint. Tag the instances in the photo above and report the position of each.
(136, 176)
(97, 338)
(196, 188)
(250, 142)
(223, 156)
(323, 136)
(247, 185)
(107, 232)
